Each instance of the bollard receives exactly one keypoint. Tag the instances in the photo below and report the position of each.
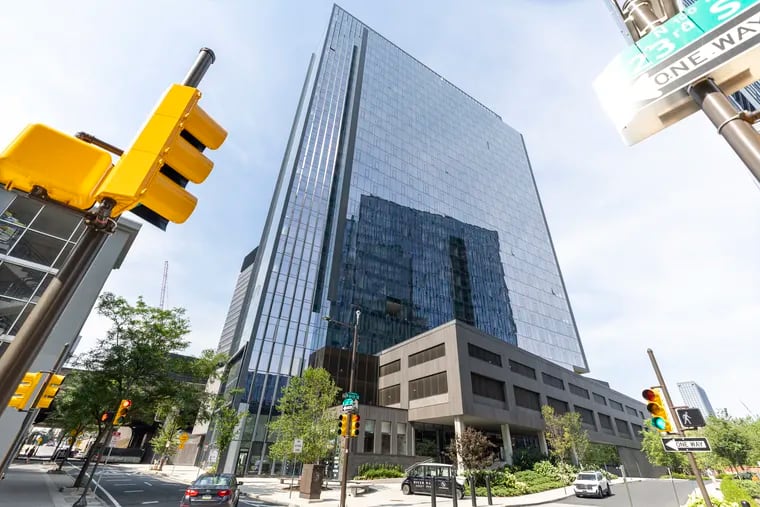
(488, 488)
(432, 491)
(472, 490)
(454, 492)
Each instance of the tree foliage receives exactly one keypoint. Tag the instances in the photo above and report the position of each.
(651, 445)
(599, 455)
(166, 441)
(304, 413)
(473, 449)
(137, 359)
(565, 435)
(226, 420)
(728, 439)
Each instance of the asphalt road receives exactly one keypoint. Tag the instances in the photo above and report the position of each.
(125, 488)
(652, 493)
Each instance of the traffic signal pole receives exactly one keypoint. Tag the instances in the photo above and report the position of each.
(346, 447)
(36, 329)
(34, 332)
(679, 428)
(735, 126)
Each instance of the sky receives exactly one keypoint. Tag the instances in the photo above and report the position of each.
(658, 243)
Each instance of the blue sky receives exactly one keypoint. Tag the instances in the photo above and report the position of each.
(657, 242)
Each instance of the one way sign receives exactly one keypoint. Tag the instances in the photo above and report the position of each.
(683, 444)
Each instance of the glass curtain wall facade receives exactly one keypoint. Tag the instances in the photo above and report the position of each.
(229, 341)
(35, 240)
(401, 196)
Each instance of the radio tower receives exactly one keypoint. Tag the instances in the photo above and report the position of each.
(163, 285)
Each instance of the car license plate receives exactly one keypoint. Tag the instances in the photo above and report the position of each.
(206, 497)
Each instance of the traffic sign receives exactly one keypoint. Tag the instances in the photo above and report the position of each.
(297, 446)
(351, 407)
(684, 444)
(644, 89)
(355, 396)
(690, 417)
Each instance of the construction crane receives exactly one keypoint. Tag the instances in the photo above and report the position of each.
(162, 302)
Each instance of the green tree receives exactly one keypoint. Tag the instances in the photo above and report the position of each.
(651, 445)
(599, 455)
(565, 435)
(226, 419)
(304, 413)
(138, 359)
(728, 440)
(166, 441)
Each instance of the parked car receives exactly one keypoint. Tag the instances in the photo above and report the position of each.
(420, 477)
(591, 483)
(208, 489)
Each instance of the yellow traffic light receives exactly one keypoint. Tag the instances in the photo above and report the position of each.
(166, 154)
(25, 390)
(69, 170)
(49, 390)
(656, 406)
(354, 431)
(124, 407)
(343, 422)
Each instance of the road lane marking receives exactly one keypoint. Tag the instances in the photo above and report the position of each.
(149, 484)
(133, 491)
(151, 501)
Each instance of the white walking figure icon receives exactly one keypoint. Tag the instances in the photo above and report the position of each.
(686, 419)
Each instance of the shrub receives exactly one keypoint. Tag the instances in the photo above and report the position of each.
(696, 500)
(751, 487)
(733, 492)
(379, 471)
(524, 459)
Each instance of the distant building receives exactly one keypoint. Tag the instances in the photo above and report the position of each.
(694, 396)
(229, 342)
(35, 240)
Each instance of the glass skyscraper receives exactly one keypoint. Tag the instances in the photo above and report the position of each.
(694, 396)
(403, 197)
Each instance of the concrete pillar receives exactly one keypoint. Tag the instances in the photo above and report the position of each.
(458, 430)
(506, 438)
(412, 450)
(542, 443)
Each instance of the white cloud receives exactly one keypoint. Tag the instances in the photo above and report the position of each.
(658, 242)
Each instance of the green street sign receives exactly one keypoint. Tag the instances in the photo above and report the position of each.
(350, 396)
(675, 34)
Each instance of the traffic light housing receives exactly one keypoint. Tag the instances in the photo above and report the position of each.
(69, 169)
(660, 419)
(344, 420)
(25, 390)
(107, 416)
(122, 413)
(354, 430)
(49, 390)
(166, 154)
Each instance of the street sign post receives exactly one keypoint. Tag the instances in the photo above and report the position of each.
(690, 417)
(686, 444)
(645, 88)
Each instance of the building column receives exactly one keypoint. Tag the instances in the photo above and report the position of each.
(506, 438)
(412, 450)
(458, 430)
(542, 443)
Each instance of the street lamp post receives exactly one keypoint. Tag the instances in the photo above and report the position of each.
(345, 448)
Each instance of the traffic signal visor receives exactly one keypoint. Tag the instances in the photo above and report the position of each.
(354, 425)
(49, 390)
(165, 155)
(69, 169)
(124, 407)
(25, 390)
(660, 419)
(343, 424)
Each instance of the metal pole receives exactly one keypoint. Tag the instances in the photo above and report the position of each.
(346, 440)
(642, 14)
(675, 491)
(732, 125)
(679, 429)
(205, 58)
(82, 501)
(34, 332)
(627, 489)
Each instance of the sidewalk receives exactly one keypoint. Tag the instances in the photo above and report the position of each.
(31, 486)
(713, 489)
(384, 491)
